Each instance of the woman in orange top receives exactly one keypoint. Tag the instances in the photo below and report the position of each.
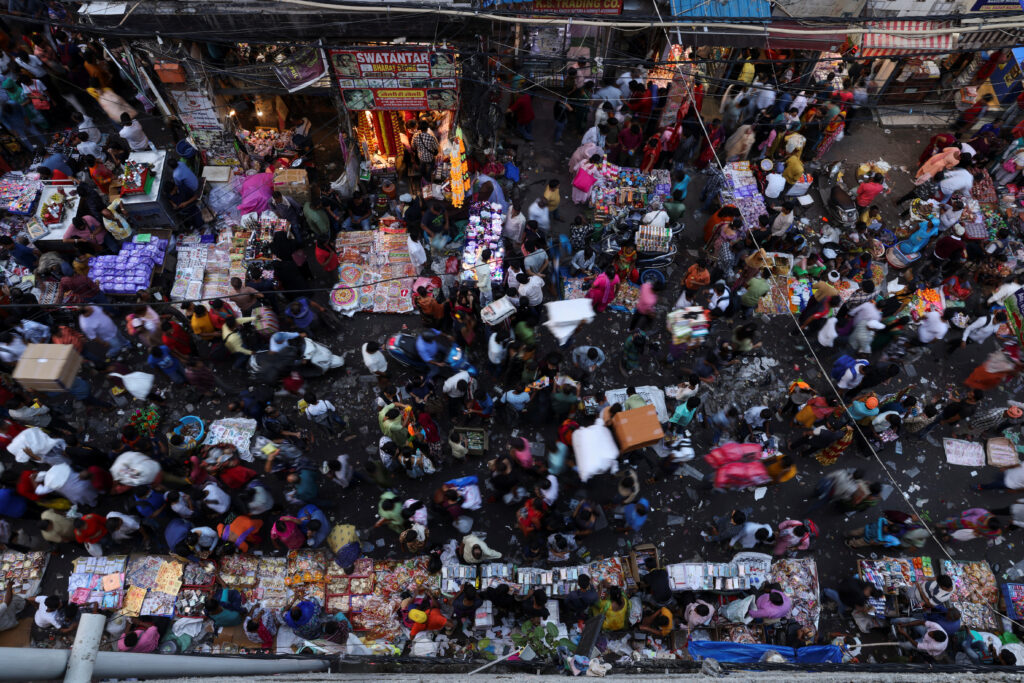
(725, 214)
(241, 532)
(99, 173)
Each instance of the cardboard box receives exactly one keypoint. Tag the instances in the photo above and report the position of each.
(637, 428)
(292, 182)
(169, 72)
(48, 367)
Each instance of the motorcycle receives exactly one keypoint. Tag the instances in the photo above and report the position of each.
(835, 197)
(313, 359)
(402, 348)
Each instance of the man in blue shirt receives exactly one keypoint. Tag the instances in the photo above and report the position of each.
(57, 162)
(20, 251)
(314, 522)
(183, 175)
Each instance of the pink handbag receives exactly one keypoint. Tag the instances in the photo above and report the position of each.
(583, 180)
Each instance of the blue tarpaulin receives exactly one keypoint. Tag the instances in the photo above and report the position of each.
(752, 652)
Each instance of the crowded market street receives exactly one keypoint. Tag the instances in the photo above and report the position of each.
(639, 377)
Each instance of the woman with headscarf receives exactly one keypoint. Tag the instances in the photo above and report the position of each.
(835, 122)
(737, 147)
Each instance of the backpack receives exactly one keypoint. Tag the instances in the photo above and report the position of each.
(841, 365)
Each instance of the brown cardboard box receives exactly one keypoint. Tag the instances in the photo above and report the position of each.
(292, 182)
(47, 367)
(637, 428)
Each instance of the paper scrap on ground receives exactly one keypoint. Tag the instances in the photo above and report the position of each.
(960, 452)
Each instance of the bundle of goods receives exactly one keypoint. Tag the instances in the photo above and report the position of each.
(266, 141)
(131, 269)
(688, 325)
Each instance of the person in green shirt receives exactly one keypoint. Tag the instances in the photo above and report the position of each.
(565, 400)
(317, 219)
(675, 208)
(525, 332)
(391, 425)
(304, 485)
(633, 399)
(225, 609)
(757, 287)
(389, 509)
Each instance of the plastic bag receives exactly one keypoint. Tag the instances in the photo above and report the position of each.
(636, 610)
(736, 611)
(138, 384)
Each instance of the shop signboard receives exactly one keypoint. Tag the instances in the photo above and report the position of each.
(579, 6)
(405, 78)
(305, 69)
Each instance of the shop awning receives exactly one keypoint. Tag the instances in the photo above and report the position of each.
(819, 42)
(917, 37)
(986, 39)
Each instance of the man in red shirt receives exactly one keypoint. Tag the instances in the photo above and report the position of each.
(90, 528)
(868, 190)
(522, 107)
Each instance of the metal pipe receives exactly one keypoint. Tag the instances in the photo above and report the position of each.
(25, 663)
(82, 658)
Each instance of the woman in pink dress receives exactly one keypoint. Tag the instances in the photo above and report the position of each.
(602, 289)
(944, 160)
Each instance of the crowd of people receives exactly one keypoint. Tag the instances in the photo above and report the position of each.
(146, 486)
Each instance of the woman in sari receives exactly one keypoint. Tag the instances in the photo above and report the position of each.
(652, 150)
(833, 129)
(972, 523)
(632, 351)
(625, 263)
(737, 147)
(725, 215)
(112, 104)
(602, 289)
(829, 454)
(712, 141)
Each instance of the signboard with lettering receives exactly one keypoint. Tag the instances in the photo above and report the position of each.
(408, 78)
(579, 6)
(305, 69)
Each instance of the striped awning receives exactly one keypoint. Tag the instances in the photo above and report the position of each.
(882, 42)
(985, 39)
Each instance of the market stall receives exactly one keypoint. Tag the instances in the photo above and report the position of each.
(142, 190)
(975, 592)
(376, 272)
(486, 221)
(132, 268)
(57, 207)
(799, 580)
(746, 572)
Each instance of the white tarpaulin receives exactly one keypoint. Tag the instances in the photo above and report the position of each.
(654, 395)
(565, 316)
(596, 451)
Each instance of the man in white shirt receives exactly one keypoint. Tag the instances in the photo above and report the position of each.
(981, 329)
(752, 534)
(949, 214)
(181, 504)
(657, 217)
(131, 131)
(30, 63)
(595, 135)
(124, 528)
(46, 613)
(497, 349)
(215, 498)
(957, 179)
(720, 299)
(456, 388)
(87, 147)
(87, 125)
(610, 94)
(374, 358)
(540, 213)
(531, 289)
